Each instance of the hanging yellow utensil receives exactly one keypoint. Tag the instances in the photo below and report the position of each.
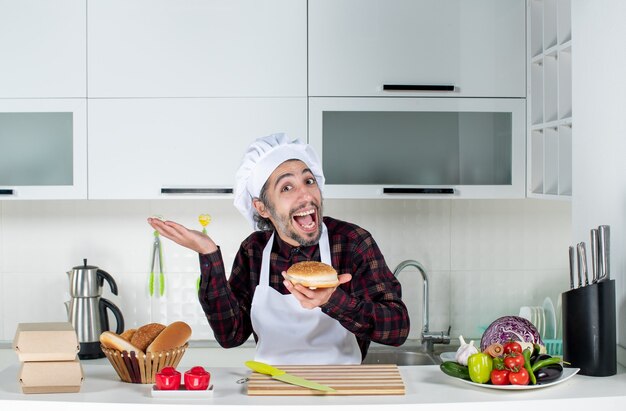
(204, 220)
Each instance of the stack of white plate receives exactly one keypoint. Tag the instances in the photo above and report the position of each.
(543, 318)
(559, 324)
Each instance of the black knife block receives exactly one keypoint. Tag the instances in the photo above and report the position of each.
(589, 329)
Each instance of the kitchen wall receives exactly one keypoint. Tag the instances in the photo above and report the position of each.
(598, 147)
(484, 258)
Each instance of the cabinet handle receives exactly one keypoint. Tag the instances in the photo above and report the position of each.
(6, 192)
(196, 190)
(418, 87)
(393, 190)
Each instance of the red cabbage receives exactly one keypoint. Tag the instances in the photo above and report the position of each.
(508, 328)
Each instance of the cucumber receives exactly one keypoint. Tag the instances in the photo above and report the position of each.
(454, 369)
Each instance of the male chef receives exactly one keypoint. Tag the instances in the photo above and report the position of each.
(279, 191)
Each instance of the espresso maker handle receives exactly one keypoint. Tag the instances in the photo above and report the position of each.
(103, 275)
(104, 319)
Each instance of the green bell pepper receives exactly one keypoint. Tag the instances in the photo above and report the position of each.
(480, 366)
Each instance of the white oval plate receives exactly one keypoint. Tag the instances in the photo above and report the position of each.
(567, 374)
(448, 356)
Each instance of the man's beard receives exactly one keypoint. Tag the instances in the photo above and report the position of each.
(284, 225)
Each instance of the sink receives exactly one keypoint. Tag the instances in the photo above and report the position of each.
(399, 357)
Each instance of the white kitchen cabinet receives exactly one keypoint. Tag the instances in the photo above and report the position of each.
(43, 149)
(43, 48)
(177, 148)
(478, 47)
(550, 99)
(197, 48)
(420, 147)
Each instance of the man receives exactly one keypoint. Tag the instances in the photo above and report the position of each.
(279, 190)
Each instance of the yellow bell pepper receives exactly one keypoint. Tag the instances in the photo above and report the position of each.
(480, 366)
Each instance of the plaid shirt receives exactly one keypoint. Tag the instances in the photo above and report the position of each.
(369, 305)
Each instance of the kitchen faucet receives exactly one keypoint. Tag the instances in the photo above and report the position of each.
(429, 339)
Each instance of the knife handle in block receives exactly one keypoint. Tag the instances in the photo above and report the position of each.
(594, 255)
(604, 254)
(572, 266)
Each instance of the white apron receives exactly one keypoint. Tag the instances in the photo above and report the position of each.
(287, 333)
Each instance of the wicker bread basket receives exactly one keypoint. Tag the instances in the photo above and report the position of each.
(141, 369)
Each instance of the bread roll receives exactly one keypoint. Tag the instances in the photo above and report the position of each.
(174, 335)
(313, 274)
(113, 341)
(128, 334)
(145, 334)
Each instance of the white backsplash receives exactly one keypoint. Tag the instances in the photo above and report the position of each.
(484, 258)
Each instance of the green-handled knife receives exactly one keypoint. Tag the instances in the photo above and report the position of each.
(281, 375)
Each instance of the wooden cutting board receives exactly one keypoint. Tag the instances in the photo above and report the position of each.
(374, 379)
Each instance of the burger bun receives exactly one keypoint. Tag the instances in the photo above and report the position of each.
(113, 341)
(313, 274)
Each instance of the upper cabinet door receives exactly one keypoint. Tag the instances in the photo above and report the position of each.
(43, 148)
(420, 147)
(197, 48)
(174, 148)
(357, 47)
(42, 48)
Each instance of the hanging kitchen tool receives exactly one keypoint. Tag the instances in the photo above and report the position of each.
(204, 220)
(157, 259)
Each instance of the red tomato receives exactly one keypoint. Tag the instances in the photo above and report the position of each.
(519, 378)
(500, 377)
(512, 346)
(514, 361)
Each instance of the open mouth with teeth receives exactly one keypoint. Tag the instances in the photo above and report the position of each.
(306, 220)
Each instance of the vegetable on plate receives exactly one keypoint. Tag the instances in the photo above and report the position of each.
(480, 366)
(510, 328)
(548, 373)
(512, 346)
(464, 351)
(514, 360)
(520, 377)
(527, 365)
(454, 369)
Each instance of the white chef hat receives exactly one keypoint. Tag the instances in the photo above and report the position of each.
(260, 161)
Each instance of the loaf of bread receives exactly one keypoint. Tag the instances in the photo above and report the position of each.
(145, 334)
(153, 337)
(128, 334)
(174, 335)
(113, 341)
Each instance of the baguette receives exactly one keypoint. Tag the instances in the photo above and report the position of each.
(174, 335)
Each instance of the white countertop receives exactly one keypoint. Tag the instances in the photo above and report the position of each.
(425, 385)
